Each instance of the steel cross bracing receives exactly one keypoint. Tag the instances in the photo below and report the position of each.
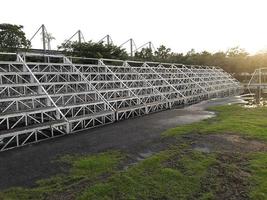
(180, 81)
(27, 113)
(212, 91)
(178, 95)
(194, 86)
(220, 81)
(213, 81)
(148, 95)
(161, 84)
(45, 96)
(114, 90)
(209, 88)
(257, 84)
(154, 89)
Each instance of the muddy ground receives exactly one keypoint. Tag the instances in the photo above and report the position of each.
(230, 172)
(227, 178)
(139, 137)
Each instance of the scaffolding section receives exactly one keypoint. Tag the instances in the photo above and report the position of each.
(46, 96)
(257, 85)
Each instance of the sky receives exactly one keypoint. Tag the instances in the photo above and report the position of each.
(182, 25)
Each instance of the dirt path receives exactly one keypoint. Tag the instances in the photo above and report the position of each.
(23, 166)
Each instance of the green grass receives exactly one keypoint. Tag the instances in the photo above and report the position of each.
(235, 119)
(82, 168)
(175, 173)
(157, 177)
(258, 166)
(250, 122)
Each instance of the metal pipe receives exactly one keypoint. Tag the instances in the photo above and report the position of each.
(43, 37)
(131, 47)
(79, 37)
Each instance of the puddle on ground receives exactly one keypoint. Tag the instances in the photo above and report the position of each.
(146, 154)
(189, 118)
(140, 157)
(197, 112)
(202, 148)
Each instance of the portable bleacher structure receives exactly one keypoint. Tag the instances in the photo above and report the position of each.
(45, 96)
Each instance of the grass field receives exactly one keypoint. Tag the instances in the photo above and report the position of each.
(158, 177)
(82, 169)
(258, 166)
(249, 122)
(178, 172)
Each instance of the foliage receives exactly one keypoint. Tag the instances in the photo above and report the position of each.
(258, 166)
(156, 177)
(82, 168)
(145, 54)
(250, 122)
(162, 53)
(93, 50)
(178, 172)
(12, 37)
(235, 60)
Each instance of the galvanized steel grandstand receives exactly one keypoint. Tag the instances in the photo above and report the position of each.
(46, 96)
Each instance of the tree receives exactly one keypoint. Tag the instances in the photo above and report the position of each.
(237, 60)
(145, 54)
(236, 52)
(162, 53)
(12, 37)
(177, 58)
(93, 50)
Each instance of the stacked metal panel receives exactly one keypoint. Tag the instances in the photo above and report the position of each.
(45, 96)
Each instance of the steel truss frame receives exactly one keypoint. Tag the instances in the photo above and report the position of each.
(257, 85)
(46, 96)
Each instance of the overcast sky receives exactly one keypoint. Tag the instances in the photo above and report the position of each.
(179, 24)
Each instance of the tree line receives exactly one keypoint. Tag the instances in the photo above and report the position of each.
(235, 60)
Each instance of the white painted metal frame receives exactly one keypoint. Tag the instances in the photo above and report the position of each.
(46, 96)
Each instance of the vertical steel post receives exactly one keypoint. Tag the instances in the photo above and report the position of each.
(79, 37)
(131, 47)
(43, 37)
(108, 40)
